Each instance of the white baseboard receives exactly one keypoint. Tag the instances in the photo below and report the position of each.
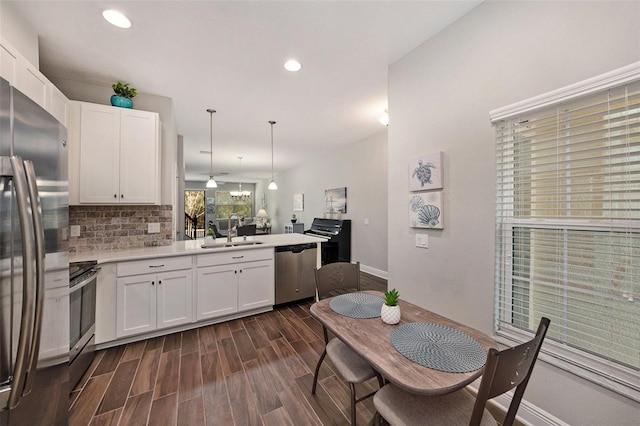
(373, 271)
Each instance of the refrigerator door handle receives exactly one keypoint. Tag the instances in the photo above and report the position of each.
(28, 280)
(38, 229)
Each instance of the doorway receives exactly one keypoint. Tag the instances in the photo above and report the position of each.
(194, 214)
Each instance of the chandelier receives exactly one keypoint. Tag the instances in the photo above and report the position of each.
(240, 195)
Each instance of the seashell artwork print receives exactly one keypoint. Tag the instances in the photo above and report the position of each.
(425, 210)
(425, 172)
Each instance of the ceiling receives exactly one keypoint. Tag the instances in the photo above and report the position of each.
(229, 56)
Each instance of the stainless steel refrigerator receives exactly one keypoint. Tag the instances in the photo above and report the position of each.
(34, 262)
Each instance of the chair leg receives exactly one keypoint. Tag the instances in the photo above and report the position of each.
(380, 380)
(315, 375)
(352, 387)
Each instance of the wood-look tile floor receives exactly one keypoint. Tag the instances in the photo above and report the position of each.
(251, 371)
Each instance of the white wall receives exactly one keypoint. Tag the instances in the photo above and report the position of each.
(362, 168)
(19, 32)
(440, 96)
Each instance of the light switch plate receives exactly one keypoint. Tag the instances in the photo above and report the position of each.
(422, 240)
(75, 230)
(153, 228)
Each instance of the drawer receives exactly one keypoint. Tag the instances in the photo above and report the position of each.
(159, 264)
(234, 256)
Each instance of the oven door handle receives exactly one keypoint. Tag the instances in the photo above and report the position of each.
(85, 281)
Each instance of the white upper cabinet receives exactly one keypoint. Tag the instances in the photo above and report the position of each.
(31, 82)
(25, 77)
(114, 155)
(57, 104)
(8, 63)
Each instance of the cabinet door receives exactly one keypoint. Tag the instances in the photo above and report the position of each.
(217, 291)
(57, 104)
(174, 298)
(255, 285)
(55, 327)
(139, 157)
(8, 62)
(31, 82)
(99, 154)
(136, 305)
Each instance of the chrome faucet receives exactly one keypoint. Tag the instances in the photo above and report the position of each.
(229, 230)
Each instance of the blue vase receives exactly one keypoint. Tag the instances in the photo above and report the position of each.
(119, 101)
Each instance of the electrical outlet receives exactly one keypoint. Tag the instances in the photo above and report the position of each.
(366, 222)
(422, 240)
(75, 230)
(153, 228)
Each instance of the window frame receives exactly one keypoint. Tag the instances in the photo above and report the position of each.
(614, 376)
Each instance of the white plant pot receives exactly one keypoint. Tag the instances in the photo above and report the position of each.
(390, 314)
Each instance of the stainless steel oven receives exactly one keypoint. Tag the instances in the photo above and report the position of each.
(82, 318)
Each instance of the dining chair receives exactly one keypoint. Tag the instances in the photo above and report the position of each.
(331, 280)
(247, 229)
(503, 371)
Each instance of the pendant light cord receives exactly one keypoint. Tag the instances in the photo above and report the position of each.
(211, 112)
(272, 123)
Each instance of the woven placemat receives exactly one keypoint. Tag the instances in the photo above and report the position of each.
(357, 305)
(439, 347)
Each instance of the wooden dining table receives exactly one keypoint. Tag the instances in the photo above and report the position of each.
(371, 339)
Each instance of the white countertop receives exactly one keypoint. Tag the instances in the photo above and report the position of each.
(191, 247)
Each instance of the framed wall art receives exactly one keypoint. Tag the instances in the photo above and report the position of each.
(335, 200)
(298, 202)
(425, 210)
(425, 172)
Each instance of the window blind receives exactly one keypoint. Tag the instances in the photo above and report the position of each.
(568, 230)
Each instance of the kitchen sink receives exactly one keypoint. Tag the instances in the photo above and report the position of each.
(231, 244)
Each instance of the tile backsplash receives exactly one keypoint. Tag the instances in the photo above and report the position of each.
(119, 227)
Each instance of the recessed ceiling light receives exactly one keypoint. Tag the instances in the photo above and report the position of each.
(116, 18)
(292, 65)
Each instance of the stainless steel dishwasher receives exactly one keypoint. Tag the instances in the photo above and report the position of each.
(295, 277)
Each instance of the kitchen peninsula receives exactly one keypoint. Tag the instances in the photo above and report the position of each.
(147, 292)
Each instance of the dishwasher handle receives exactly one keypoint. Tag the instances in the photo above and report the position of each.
(296, 248)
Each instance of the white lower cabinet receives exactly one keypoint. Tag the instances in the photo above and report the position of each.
(237, 281)
(255, 285)
(153, 301)
(217, 291)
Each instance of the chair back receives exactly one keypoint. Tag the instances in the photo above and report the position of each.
(508, 369)
(247, 229)
(337, 278)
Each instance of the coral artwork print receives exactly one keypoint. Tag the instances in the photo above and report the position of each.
(425, 172)
(425, 210)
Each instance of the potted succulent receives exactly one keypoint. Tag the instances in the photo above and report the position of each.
(390, 312)
(294, 219)
(123, 95)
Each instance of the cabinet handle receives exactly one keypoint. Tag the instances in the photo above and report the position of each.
(235, 272)
(156, 266)
(240, 270)
(159, 282)
(153, 282)
(237, 257)
(121, 195)
(115, 196)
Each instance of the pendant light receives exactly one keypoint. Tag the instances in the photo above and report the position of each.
(272, 184)
(211, 183)
(240, 195)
